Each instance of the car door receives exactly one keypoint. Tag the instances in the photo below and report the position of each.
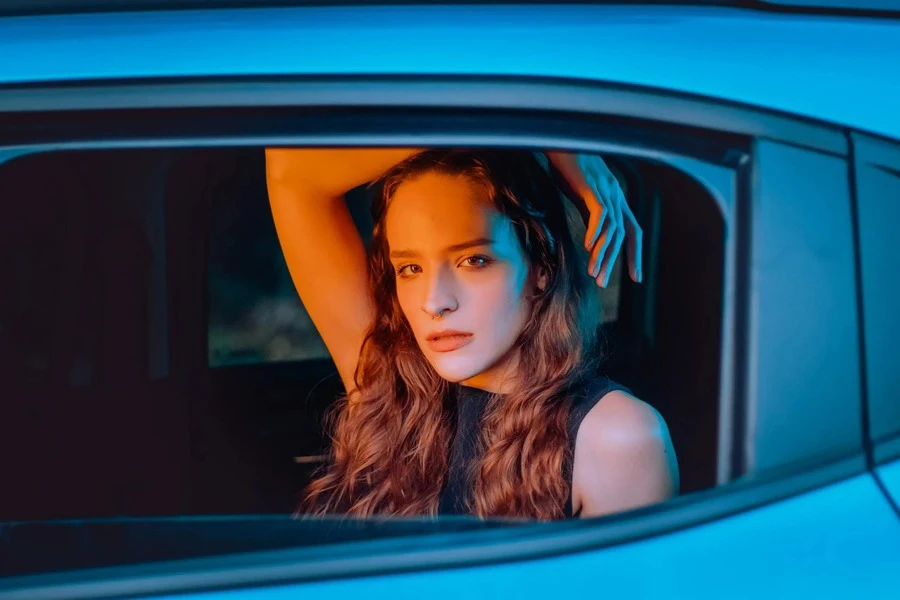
(798, 511)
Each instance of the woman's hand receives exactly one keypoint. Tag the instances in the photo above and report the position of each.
(610, 219)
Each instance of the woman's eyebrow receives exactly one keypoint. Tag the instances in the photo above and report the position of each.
(404, 254)
(453, 248)
(470, 244)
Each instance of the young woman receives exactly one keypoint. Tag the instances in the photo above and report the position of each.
(466, 338)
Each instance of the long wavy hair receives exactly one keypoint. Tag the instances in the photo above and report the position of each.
(390, 445)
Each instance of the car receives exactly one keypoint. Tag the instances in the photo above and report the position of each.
(163, 389)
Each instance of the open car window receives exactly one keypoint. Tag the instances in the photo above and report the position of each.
(151, 305)
(166, 375)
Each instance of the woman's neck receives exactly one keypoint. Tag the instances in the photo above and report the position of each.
(498, 379)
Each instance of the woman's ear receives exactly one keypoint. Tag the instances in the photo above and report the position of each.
(541, 279)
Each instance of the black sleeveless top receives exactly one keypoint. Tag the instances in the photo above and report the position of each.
(470, 406)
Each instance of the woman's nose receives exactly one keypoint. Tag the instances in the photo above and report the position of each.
(439, 296)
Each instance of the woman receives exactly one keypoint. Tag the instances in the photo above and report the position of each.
(467, 339)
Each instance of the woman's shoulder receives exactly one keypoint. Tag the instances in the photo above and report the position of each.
(592, 389)
(618, 410)
(605, 408)
(623, 452)
(586, 396)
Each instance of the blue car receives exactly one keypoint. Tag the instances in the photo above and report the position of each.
(162, 388)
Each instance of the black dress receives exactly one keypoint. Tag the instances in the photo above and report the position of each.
(470, 407)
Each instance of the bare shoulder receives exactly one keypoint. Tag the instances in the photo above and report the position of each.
(624, 457)
(621, 419)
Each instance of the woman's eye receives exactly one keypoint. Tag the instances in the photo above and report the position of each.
(476, 261)
(408, 270)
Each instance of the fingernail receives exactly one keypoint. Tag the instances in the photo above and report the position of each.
(640, 276)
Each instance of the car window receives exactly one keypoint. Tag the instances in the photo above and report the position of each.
(878, 204)
(151, 312)
(800, 287)
(156, 276)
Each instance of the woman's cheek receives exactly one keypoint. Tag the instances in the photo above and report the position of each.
(405, 300)
(493, 296)
(500, 287)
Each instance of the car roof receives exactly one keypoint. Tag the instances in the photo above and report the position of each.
(824, 67)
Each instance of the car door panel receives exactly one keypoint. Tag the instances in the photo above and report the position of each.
(842, 539)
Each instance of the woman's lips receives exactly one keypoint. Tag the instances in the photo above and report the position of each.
(448, 341)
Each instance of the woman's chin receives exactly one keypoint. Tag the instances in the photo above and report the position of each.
(455, 369)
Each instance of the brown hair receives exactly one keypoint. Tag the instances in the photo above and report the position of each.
(390, 448)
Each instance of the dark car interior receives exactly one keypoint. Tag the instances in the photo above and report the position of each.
(115, 402)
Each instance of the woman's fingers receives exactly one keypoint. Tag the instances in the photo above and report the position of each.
(611, 256)
(595, 225)
(635, 249)
(599, 251)
(612, 252)
(598, 208)
(610, 219)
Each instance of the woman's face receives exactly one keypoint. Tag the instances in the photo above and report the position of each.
(456, 256)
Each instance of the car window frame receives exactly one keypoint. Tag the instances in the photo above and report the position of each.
(561, 114)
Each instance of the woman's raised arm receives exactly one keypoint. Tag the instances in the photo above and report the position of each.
(322, 247)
